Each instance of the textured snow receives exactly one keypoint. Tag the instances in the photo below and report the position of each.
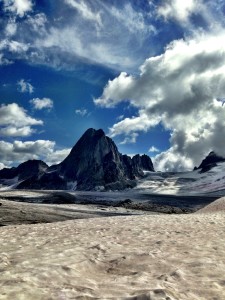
(192, 182)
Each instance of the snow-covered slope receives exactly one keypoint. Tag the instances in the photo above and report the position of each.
(192, 182)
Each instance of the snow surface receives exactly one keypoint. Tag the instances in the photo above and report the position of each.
(192, 182)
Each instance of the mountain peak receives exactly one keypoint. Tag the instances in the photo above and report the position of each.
(210, 161)
(96, 161)
(93, 163)
(92, 132)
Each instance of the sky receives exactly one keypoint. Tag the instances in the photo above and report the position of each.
(150, 73)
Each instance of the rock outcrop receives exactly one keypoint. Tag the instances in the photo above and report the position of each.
(210, 161)
(94, 163)
(25, 170)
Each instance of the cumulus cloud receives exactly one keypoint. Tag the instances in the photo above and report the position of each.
(13, 114)
(15, 131)
(25, 87)
(153, 149)
(172, 160)
(57, 156)
(14, 121)
(18, 152)
(179, 10)
(81, 112)
(42, 103)
(179, 89)
(19, 7)
(134, 124)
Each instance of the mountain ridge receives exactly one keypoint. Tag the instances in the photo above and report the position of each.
(93, 163)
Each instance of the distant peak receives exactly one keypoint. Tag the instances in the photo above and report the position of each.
(92, 131)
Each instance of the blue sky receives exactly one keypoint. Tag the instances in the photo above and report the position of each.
(147, 72)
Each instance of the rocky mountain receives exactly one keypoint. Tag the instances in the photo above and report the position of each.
(93, 163)
(25, 170)
(210, 161)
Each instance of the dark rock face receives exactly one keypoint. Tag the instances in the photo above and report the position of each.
(47, 181)
(25, 170)
(93, 163)
(147, 164)
(96, 162)
(210, 161)
(142, 163)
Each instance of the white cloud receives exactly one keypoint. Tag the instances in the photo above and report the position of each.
(42, 103)
(133, 20)
(15, 131)
(19, 7)
(81, 112)
(179, 10)
(13, 114)
(18, 152)
(15, 47)
(171, 160)
(177, 88)
(37, 22)
(153, 149)
(2, 166)
(130, 139)
(11, 28)
(134, 124)
(110, 33)
(98, 32)
(25, 87)
(14, 121)
(85, 11)
(57, 156)
(37, 148)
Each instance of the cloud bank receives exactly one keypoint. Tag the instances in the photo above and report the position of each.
(179, 89)
(18, 152)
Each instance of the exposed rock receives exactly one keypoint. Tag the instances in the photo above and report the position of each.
(210, 161)
(48, 181)
(147, 164)
(25, 170)
(94, 163)
(142, 163)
